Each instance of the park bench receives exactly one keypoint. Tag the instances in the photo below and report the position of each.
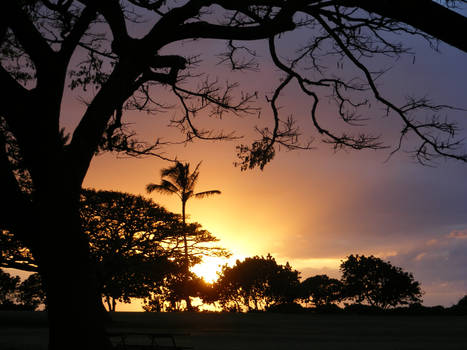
(147, 341)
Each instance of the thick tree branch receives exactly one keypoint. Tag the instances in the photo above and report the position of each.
(80, 27)
(30, 38)
(425, 15)
(88, 134)
(113, 14)
(174, 25)
(214, 31)
(176, 17)
(13, 100)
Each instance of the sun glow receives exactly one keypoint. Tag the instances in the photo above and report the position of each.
(210, 266)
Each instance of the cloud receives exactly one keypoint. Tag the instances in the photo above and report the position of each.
(382, 211)
(458, 234)
(440, 265)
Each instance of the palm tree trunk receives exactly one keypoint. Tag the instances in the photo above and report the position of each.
(187, 262)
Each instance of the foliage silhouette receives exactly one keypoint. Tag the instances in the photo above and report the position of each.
(15, 254)
(130, 239)
(17, 295)
(118, 71)
(320, 290)
(137, 244)
(178, 180)
(461, 307)
(254, 284)
(8, 288)
(169, 295)
(31, 292)
(377, 282)
(462, 303)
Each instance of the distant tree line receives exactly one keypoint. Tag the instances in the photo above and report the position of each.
(260, 283)
(367, 285)
(140, 251)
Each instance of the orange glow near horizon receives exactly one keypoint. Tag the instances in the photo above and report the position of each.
(210, 266)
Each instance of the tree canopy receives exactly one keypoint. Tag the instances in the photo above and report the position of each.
(377, 282)
(138, 245)
(8, 287)
(321, 290)
(255, 283)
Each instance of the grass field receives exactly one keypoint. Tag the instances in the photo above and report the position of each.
(28, 330)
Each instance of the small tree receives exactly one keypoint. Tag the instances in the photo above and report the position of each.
(320, 290)
(283, 285)
(168, 296)
(377, 282)
(256, 284)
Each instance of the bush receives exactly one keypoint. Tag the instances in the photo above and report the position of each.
(9, 306)
(328, 309)
(362, 309)
(461, 307)
(287, 308)
(418, 309)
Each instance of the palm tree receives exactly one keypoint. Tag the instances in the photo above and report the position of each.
(178, 180)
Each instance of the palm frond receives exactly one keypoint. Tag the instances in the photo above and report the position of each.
(206, 193)
(172, 172)
(193, 177)
(183, 176)
(164, 187)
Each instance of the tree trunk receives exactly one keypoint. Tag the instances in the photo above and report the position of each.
(189, 307)
(68, 274)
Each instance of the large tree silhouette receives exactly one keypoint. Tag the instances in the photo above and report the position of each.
(256, 283)
(44, 43)
(178, 180)
(377, 282)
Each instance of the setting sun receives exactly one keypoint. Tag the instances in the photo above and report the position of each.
(210, 266)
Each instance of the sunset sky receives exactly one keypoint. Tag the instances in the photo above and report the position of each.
(313, 208)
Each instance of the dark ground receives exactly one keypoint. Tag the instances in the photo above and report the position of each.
(27, 330)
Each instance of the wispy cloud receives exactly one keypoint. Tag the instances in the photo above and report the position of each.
(440, 265)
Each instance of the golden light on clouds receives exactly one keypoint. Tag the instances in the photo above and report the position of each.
(318, 263)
